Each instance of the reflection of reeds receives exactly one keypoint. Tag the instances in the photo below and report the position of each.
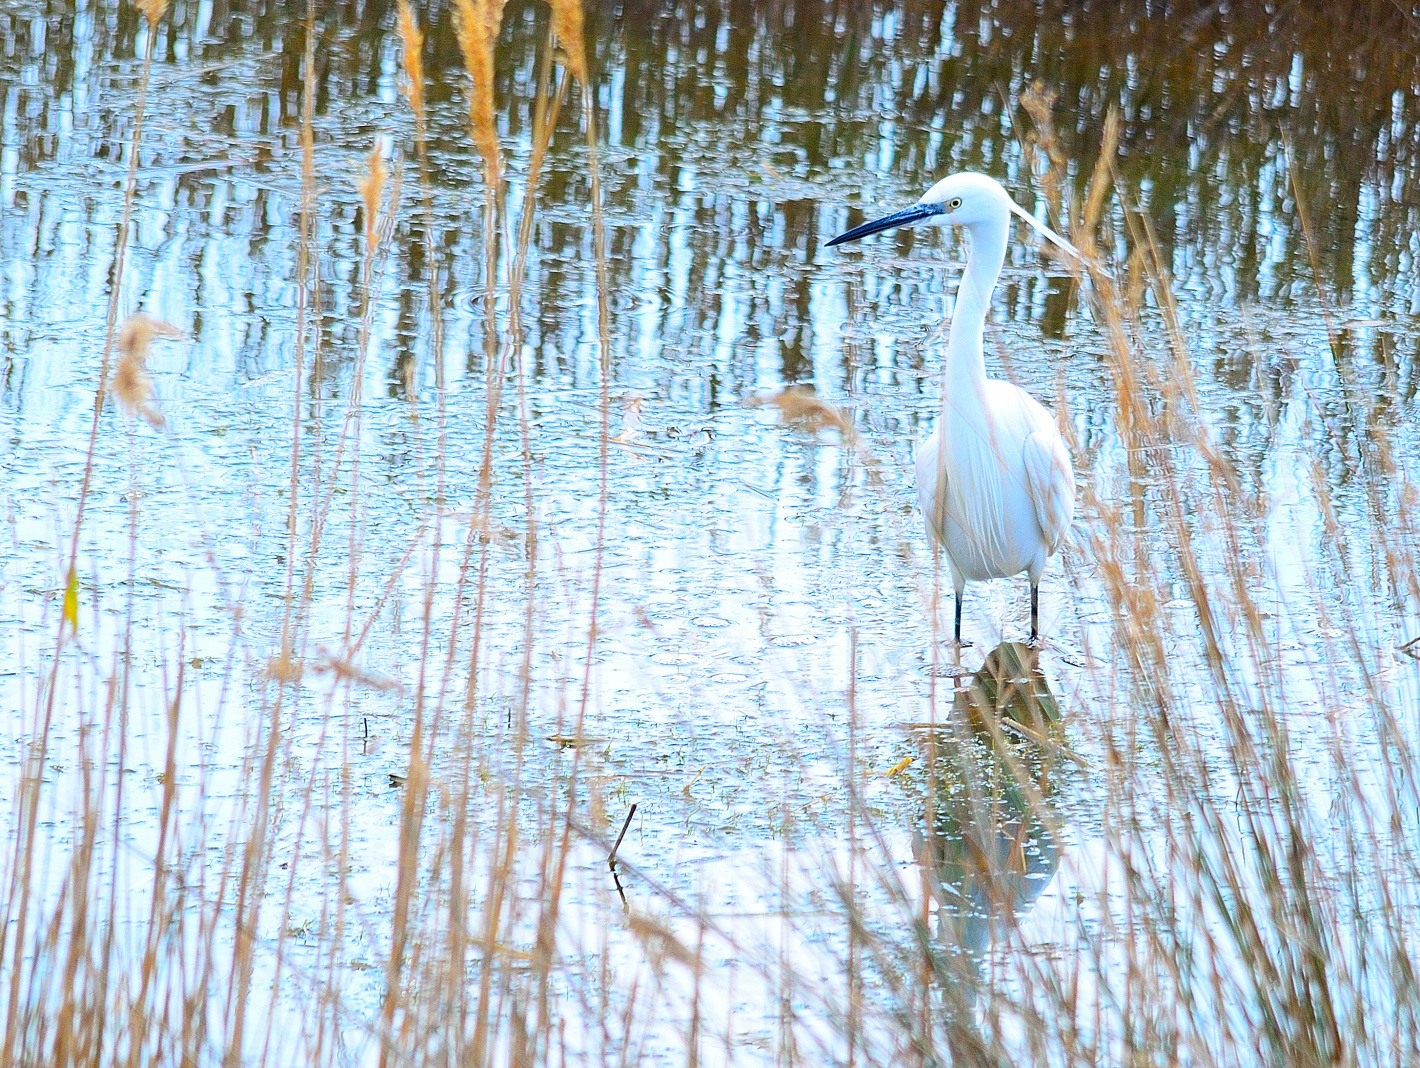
(412, 38)
(477, 23)
(567, 23)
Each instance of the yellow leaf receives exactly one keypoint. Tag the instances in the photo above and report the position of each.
(901, 765)
(71, 600)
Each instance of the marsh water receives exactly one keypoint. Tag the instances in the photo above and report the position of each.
(768, 631)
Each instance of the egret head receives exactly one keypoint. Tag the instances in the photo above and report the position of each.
(967, 199)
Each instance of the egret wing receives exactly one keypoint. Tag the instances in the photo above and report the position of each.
(1050, 481)
(932, 484)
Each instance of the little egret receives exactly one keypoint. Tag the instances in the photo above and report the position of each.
(993, 477)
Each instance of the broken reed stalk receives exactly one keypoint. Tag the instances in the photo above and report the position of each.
(625, 826)
(1332, 335)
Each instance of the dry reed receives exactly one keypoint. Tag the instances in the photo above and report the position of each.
(132, 385)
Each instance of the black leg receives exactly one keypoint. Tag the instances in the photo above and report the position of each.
(1034, 614)
(960, 644)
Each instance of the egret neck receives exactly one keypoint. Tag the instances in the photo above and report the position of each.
(965, 363)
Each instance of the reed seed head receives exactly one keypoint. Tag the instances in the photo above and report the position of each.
(567, 28)
(153, 10)
(413, 38)
(477, 23)
(132, 386)
(801, 407)
(372, 192)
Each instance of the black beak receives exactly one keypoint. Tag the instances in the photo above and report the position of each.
(905, 217)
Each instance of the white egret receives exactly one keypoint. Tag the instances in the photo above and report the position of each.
(994, 477)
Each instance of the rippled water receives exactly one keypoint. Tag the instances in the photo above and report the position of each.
(754, 573)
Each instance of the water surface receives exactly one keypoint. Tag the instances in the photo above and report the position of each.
(765, 614)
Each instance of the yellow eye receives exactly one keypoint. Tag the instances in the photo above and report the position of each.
(954, 203)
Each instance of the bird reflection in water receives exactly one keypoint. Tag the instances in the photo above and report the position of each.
(984, 845)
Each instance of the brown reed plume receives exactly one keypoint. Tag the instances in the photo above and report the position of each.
(568, 23)
(371, 184)
(132, 385)
(153, 11)
(412, 39)
(477, 23)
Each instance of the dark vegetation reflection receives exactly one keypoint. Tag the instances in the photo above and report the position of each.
(739, 134)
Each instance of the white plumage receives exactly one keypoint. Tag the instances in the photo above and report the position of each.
(993, 477)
